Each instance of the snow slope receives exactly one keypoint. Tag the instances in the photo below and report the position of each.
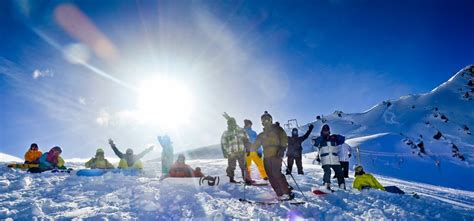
(9, 158)
(114, 196)
(425, 137)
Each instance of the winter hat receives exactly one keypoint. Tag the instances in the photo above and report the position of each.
(358, 169)
(266, 115)
(57, 148)
(99, 150)
(325, 128)
(129, 151)
(247, 122)
(294, 131)
(34, 145)
(231, 121)
(181, 157)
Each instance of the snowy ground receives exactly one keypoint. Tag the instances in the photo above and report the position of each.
(114, 196)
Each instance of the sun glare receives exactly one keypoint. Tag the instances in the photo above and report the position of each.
(164, 102)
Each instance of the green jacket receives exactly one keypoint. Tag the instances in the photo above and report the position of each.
(366, 180)
(234, 141)
(99, 163)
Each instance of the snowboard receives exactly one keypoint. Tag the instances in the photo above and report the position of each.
(22, 166)
(100, 172)
(38, 170)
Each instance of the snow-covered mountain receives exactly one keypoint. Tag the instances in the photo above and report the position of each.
(8, 158)
(424, 137)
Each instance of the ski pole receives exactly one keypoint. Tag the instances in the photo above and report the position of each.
(296, 182)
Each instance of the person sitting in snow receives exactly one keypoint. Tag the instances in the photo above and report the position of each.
(49, 161)
(181, 169)
(129, 160)
(99, 161)
(33, 154)
(367, 181)
(327, 146)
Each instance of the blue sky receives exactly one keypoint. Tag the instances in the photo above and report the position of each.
(296, 59)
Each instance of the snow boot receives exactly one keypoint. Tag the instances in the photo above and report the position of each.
(231, 179)
(328, 186)
(286, 197)
(288, 172)
(290, 188)
(300, 172)
(342, 186)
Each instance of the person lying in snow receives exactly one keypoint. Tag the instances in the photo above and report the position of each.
(181, 169)
(33, 154)
(129, 160)
(367, 181)
(99, 161)
(50, 160)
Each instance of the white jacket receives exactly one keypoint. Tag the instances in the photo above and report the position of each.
(344, 151)
(328, 154)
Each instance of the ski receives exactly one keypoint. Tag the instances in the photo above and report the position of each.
(272, 202)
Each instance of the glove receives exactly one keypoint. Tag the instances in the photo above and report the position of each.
(311, 127)
(248, 154)
(281, 152)
(350, 155)
(319, 160)
(111, 142)
(259, 154)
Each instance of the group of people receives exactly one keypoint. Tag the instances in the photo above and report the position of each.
(268, 148)
(242, 146)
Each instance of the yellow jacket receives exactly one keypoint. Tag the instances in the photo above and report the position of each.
(33, 156)
(274, 141)
(366, 180)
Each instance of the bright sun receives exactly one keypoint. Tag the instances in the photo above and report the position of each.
(164, 102)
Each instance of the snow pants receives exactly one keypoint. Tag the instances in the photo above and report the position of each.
(393, 189)
(276, 178)
(232, 164)
(253, 156)
(299, 164)
(345, 168)
(337, 170)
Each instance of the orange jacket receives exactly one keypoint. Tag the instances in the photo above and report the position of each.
(32, 156)
(181, 170)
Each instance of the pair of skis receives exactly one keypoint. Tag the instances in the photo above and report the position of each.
(292, 202)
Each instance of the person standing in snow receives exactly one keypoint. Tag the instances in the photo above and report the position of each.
(129, 160)
(295, 149)
(345, 153)
(274, 141)
(166, 154)
(253, 154)
(327, 147)
(233, 143)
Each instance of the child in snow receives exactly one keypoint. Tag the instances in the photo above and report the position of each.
(99, 161)
(33, 154)
(129, 160)
(367, 181)
(51, 160)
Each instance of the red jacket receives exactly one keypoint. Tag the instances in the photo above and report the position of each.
(181, 170)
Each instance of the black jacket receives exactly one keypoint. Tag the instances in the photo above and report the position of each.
(294, 144)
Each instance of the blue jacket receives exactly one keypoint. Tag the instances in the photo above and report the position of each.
(252, 138)
(44, 163)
